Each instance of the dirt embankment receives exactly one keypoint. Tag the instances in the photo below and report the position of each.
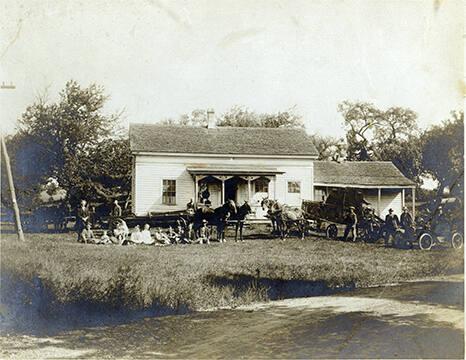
(55, 283)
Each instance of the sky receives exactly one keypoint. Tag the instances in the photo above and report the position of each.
(159, 58)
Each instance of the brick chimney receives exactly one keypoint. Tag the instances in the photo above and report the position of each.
(211, 119)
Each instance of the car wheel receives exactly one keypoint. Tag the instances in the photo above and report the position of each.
(331, 232)
(457, 241)
(425, 241)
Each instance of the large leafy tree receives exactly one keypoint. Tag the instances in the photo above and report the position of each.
(384, 135)
(443, 154)
(63, 140)
(329, 148)
(361, 120)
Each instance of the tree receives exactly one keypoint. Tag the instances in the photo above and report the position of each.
(329, 147)
(197, 117)
(59, 139)
(240, 116)
(361, 120)
(443, 154)
(390, 135)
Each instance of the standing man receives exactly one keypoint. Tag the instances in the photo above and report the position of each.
(351, 224)
(82, 218)
(115, 213)
(406, 220)
(392, 223)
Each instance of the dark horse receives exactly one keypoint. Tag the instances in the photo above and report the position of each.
(239, 218)
(217, 217)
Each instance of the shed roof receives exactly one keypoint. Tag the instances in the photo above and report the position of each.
(220, 140)
(359, 173)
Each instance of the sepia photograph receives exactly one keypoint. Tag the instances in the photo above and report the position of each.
(232, 179)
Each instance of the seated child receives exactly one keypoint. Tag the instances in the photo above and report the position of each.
(173, 236)
(161, 237)
(87, 235)
(104, 239)
(136, 235)
(204, 233)
(146, 237)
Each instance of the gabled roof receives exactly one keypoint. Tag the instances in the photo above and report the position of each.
(220, 140)
(359, 173)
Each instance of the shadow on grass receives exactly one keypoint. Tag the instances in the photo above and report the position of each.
(276, 289)
(29, 307)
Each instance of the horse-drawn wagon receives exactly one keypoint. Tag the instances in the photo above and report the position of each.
(329, 217)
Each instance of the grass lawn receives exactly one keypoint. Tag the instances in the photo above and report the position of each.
(204, 276)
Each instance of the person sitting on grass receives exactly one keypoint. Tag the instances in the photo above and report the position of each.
(87, 235)
(182, 234)
(146, 237)
(104, 239)
(161, 237)
(136, 236)
(121, 231)
(173, 236)
(204, 233)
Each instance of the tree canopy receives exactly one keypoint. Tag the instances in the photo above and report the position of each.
(383, 135)
(443, 154)
(240, 116)
(66, 140)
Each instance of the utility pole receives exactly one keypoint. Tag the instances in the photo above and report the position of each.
(11, 185)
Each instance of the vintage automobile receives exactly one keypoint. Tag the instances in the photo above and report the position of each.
(442, 226)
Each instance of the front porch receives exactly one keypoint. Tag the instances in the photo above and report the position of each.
(214, 186)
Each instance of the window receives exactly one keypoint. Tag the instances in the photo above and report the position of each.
(294, 187)
(169, 192)
(261, 185)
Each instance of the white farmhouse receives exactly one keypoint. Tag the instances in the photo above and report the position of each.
(174, 164)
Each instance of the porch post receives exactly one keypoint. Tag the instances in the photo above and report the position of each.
(403, 197)
(196, 197)
(274, 187)
(379, 198)
(249, 189)
(223, 191)
(413, 192)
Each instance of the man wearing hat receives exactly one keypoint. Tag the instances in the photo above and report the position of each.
(392, 223)
(406, 220)
(351, 224)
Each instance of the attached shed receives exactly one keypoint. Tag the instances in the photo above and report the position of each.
(173, 164)
(380, 182)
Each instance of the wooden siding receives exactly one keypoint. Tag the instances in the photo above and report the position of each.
(390, 198)
(149, 171)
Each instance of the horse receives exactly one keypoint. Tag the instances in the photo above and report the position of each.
(271, 206)
(285, 217)
(239, 217)
(217, 217)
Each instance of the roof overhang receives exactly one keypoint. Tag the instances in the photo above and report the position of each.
(364, 186)
(211, 170)
(219, 155)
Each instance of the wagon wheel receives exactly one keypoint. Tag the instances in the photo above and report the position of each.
(331, 232)
(457, 241)
(425, 241)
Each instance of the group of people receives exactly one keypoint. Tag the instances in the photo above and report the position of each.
(392, 223)
(119, 233)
